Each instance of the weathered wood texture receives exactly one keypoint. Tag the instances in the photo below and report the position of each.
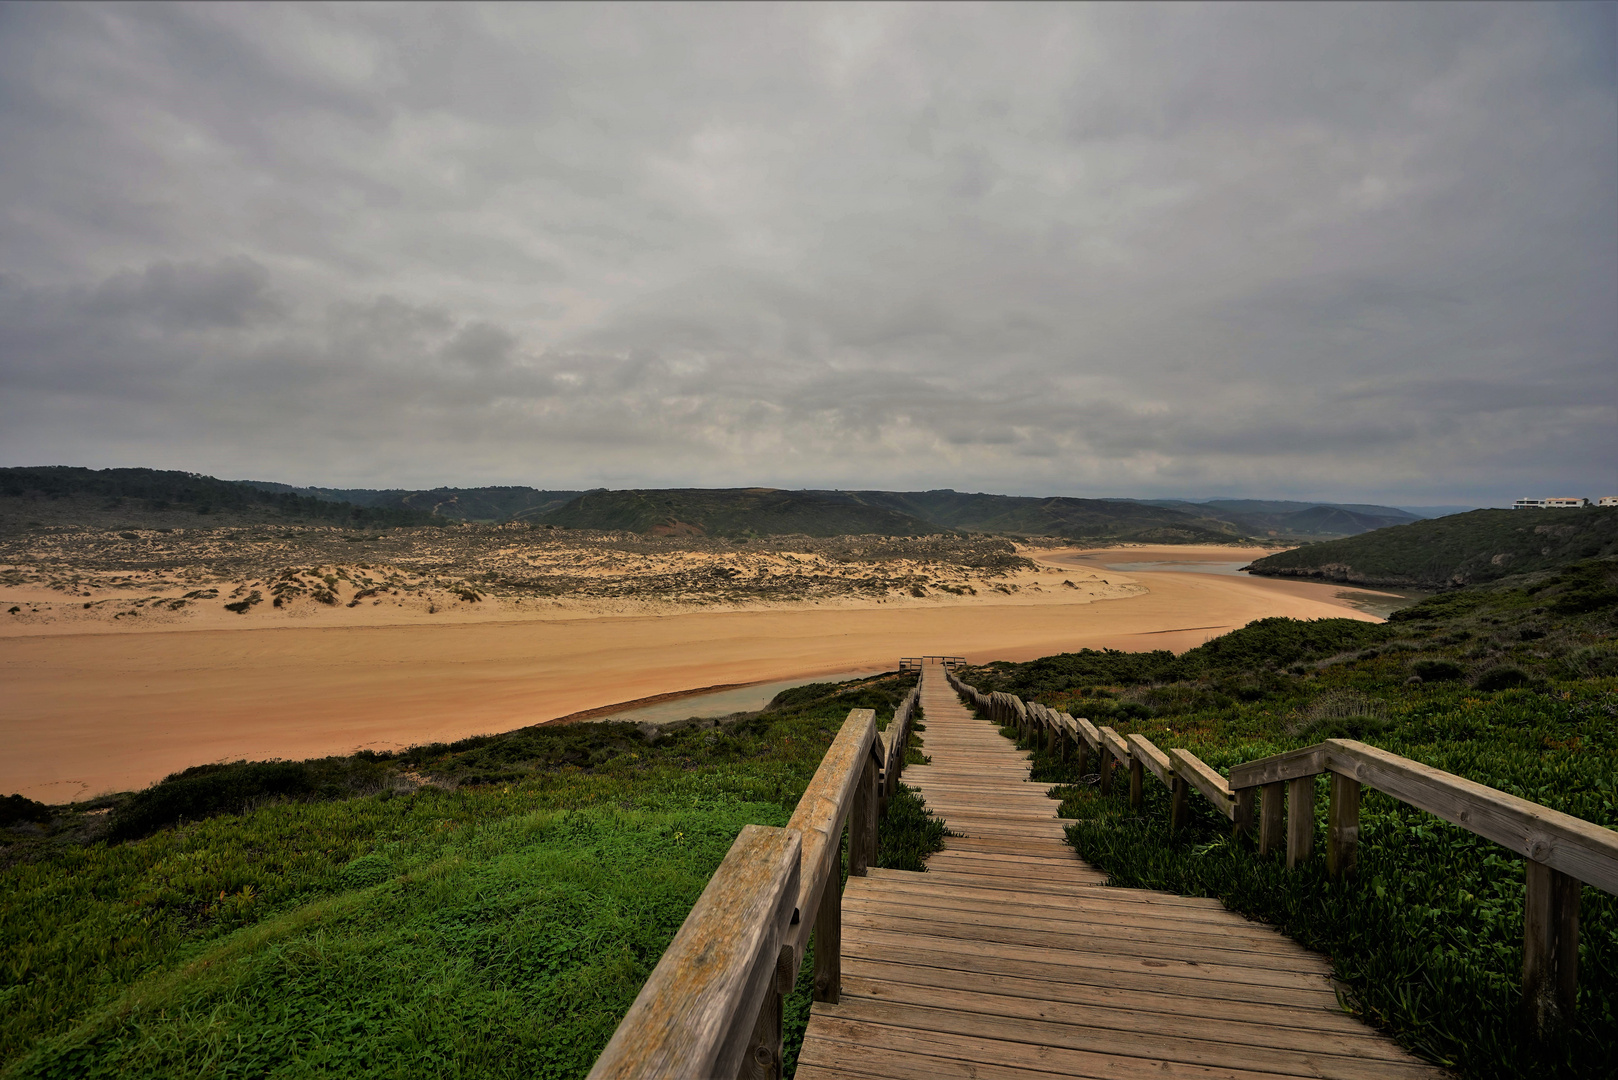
(822, 812)
(1550, 970)
(695, 1015)
(1008, 958)
(1578, 848)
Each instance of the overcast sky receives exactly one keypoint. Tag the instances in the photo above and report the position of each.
(1360, 252)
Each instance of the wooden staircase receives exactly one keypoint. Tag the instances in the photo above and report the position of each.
(1010, 957)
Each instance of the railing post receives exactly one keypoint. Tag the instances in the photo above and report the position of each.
(763, 1058)
(1106, 770)
(1300, 819)
(1343, 836)
(1084, 752)
(1242, 819)
(1137, 783)
(1271, 818)
(862, 822)
(829, 936)
(1550, 953)
(1179, 797)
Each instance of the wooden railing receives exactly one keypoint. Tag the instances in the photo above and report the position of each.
(914, 663)
(712, 1006)
(1561, 850)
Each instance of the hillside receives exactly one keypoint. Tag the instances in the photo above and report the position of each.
(152, 498)
(1462, 549)
(491, 504)
(731, 512)
(1092, 520)
(1280, 518)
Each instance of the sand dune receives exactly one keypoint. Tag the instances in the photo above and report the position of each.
(93, 712)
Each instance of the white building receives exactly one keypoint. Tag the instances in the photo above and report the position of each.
(1607, 500)
(1555, 503)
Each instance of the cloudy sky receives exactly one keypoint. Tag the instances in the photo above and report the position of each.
(1359, 252)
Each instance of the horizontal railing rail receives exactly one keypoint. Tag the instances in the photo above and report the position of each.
(1562, 850)
(914, 663)
(713, 1005)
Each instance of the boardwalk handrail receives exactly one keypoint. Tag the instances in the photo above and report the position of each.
(1562, 850)
(712, 1006)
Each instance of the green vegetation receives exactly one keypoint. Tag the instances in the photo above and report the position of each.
(487, 504)
(140, 492)
(735, 512)
(1513, 685)
(1463, 549)
(483, 908)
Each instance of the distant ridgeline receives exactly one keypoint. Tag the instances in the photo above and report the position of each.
(1463, 549)
(718, 512)
(153, 491)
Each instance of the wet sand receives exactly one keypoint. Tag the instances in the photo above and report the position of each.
(96, 712)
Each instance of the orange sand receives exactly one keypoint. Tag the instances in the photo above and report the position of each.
(87, 713)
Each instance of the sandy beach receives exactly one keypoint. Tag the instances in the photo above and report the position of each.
(115, 708)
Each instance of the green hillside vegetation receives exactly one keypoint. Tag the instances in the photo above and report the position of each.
(1512, 684)
(66, 495)
(1282, 518)
(485, 504)
(1464, 549)
(115, 498)
(1073, 519)
(340, 917)
(732, 512)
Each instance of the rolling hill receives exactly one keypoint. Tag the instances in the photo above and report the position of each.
(1462, 549)
(113, 498)
(732, 512)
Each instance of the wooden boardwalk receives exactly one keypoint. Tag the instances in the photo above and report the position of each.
(1010, 957)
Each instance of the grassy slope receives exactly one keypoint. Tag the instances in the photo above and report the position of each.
(1482, 546)
(1428, 936)
(498, 922)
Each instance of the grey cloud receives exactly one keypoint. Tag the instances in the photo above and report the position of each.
(1362, 252)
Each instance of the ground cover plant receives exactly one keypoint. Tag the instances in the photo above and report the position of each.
(1514, 685)
(484, 908)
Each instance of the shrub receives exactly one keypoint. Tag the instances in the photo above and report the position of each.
(15, 809)
(1437, 670)
(206, 790)
(1502, 678)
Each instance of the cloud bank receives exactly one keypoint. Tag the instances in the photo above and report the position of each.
(1351, 252)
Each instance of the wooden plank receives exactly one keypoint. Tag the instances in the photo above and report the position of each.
(1088, 732)
(1147, 753)
(1318, 1011)
(1148, 1046)
(904, 1054)
(1176, 976)
(1226, 1029)
(1137, 943)
(694, 1016)
(1255, 944)
(1310, 761)
(1572, 845)
(1086, 899)
(1079, 920)
(1192, 769)
(1110, 895)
